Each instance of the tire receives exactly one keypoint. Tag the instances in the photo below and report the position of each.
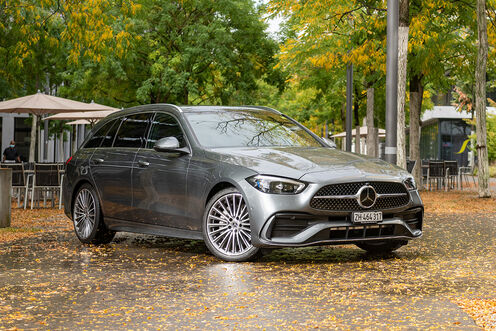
(226, 227)
(381, 247)
(87, 218)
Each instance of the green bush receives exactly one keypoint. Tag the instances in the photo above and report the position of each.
(491, 137)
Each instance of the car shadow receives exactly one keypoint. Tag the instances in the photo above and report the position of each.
(292, 255)
(323, 254)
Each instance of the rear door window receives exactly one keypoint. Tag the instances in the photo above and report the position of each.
(165, 125)
(132, 131)
(96, 139)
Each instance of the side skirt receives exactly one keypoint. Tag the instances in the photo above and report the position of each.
(126, 226)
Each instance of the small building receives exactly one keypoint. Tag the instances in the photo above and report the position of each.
(443, 133)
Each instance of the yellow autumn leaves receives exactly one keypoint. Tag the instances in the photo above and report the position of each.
(90, 27)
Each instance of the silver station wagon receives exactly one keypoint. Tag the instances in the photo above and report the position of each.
(239, 178)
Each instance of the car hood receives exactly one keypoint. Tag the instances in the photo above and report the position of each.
(313, 164)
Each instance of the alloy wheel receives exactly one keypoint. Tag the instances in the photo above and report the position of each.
(228, 225)
(84, 213)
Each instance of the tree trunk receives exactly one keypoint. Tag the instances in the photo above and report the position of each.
(480, 101)
(32, 143)
(343, 114)
(74, 140)
(416, 95)
(186, 100)
(61, 146)
(371, 141)
(357, 140)
(356, 107)
(402, 62)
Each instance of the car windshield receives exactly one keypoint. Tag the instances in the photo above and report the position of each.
(245, 128)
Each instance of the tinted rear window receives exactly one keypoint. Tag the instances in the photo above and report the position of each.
(97, 137)
(108, 139)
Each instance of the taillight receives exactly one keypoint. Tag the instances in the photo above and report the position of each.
(68, 160)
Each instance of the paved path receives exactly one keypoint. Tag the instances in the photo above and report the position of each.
(51, 281)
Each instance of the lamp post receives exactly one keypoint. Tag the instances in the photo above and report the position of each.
(349, 104)
(391, 80)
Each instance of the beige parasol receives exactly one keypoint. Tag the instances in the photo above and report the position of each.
(90, 116)
(78, 122)
(39, 103)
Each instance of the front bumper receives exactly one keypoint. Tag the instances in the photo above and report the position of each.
(305, 230)
(288, 220)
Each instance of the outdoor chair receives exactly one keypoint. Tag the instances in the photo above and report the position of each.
(47, 181)
(20, 181)
(435, 173)
(452, 174)
(465, 174)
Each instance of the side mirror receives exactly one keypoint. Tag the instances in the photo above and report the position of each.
(169, 144)
(329, 142)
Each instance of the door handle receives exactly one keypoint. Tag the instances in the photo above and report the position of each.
(97, 160)
(143, 163)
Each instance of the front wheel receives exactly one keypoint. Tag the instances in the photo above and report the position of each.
(381, 247)
(226, 227)
(87, 218)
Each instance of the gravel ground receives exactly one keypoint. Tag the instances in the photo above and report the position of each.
(444, 280)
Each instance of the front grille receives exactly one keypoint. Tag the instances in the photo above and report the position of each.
(351, 204)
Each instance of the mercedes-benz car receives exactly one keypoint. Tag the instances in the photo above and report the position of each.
(239, 178)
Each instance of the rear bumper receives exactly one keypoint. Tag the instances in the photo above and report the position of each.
(299, 229)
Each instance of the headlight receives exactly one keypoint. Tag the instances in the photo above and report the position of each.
(276, 185)
(410, 183)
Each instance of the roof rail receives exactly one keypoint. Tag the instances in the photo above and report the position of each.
(174, 106)
(264, 108)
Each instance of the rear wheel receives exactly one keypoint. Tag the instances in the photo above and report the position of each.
(381, 247)
(226, 227)
(87, 218)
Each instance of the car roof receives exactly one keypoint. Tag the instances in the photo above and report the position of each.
(188, 109)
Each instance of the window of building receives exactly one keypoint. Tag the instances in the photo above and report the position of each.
(22, 137)
(429, 142)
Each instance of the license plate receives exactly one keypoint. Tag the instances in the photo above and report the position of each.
(367, 217)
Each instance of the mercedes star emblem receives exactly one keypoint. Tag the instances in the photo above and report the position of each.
(366, 196)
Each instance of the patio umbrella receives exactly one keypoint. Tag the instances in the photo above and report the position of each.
(78, 122)
(89, 116)
(39, 104)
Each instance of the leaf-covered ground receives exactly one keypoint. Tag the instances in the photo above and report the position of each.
(445, 280)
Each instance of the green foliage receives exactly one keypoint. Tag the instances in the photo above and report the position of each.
(128, 53)
(491, 136)
(185, 52)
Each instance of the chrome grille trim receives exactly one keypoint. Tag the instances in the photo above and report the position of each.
(344, 196)
(356, 195)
